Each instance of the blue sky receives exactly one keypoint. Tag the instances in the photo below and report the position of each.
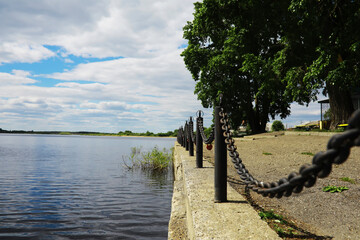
(99, 65)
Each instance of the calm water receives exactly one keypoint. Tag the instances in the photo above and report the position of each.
(76, 187)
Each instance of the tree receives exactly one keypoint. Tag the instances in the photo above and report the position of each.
(262, 55)
(149, 133)
(231, 48)
(321, 51)
(277, 126)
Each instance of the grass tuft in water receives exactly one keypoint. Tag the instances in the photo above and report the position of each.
(154, 160)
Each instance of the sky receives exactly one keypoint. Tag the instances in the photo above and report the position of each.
(100, 65)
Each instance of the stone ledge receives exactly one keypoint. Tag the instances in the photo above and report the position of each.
(234, 219)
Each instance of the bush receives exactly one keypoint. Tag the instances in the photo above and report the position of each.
(277, 126)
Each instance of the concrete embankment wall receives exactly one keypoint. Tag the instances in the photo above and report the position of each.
(323, 134)
(194, 215)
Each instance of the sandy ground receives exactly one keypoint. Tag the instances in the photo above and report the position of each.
(328, 215)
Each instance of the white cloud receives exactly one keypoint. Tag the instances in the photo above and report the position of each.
(21, 73)
(154, 95)
(18, 77)
(23, 52)
(93, 28)
(148, 89)
(67, 60)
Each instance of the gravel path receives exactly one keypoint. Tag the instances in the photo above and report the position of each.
(328, 215)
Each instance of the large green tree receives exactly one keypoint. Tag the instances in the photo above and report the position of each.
(231, 49)
(263, 55)
(321, 52)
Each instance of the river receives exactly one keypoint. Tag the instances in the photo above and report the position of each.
(77, 187)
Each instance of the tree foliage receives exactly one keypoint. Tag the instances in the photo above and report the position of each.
(277, 126)
(322, 52)
(262, 55)
(232, 45)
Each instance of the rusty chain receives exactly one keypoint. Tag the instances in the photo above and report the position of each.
(338, 150)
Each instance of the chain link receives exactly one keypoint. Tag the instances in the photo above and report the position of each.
(206, 140)
(338, 150)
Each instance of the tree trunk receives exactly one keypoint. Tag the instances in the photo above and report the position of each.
(341, 105)
(255, 122)
(264, 113)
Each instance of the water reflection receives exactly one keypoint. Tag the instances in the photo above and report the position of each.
(73, 187)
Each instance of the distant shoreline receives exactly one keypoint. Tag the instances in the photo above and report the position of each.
(81, 133)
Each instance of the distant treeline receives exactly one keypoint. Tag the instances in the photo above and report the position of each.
(149, 134)
(125, 133)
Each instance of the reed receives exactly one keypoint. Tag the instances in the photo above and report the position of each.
(154, 160)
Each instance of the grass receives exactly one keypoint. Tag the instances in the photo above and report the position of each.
(65, 133)
(334, 189)
(285, 227)
(340, 129)
(267, 153)
(155, 160)
(347, 179)
(281, 226)
(266, 215)
(308, 153)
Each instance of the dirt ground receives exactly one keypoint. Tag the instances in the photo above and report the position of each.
(318, 214)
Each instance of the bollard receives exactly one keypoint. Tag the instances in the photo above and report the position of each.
(191, 144)
(220, 161)
(182, 137)
(199, 144)
(186, 133)
(179, 137)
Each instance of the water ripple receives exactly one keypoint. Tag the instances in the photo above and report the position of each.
(59, 188)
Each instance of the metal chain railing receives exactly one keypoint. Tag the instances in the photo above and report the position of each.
(338, 150)
(206, 140)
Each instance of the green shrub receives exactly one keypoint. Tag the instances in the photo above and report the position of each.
(277, 126)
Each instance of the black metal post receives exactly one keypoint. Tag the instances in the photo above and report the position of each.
(321, 112)
(191, 144)
(186, 136)
(220, 161)
(179, 136)
(182, 137)
(199, 144)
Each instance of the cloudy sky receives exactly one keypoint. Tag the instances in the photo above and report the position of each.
(99, 65)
